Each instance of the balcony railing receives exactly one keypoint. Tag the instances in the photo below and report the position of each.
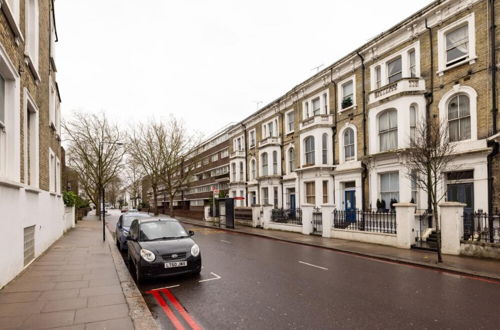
(238, 154)
(269, 141)
(397, 87)
(317, 120)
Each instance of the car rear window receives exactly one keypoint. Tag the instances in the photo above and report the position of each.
(127, 219)
(161, 230)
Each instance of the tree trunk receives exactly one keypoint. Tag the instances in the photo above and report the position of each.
(171, 207)
(155, 198)
(97, 203)
(438, 230)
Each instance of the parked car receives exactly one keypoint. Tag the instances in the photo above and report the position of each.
(123, 227)
(162, 247)
(124, 209)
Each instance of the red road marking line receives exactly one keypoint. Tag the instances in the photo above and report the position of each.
(192, 323)
(167, 310)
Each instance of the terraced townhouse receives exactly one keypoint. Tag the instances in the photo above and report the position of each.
(30, 148)
(336, 141)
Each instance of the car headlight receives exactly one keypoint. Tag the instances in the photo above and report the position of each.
(148, 255)
(195, 250)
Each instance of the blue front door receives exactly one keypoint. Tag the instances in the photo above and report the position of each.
(350, 205)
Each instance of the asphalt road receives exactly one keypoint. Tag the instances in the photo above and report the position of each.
(256, 283)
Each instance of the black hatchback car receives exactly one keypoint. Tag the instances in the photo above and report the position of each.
(161, 247)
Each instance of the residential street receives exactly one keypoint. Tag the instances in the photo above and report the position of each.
(267, 284)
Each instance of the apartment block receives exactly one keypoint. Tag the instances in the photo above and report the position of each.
(30, 130)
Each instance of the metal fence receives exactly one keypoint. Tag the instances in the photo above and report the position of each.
(481, 227)
(290, 216)
(372, 221)
(317, 222)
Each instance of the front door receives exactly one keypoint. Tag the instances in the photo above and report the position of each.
(463, 193)
(350, 205)
(292, 206)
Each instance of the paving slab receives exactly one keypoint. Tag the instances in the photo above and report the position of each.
(64, 304)
(122, 324)
(101, 313)
(49, 320)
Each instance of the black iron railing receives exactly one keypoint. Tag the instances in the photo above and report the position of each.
(481, 227)
(317, 221)
(290, 216)
(372, 221)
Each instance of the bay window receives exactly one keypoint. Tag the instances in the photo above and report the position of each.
(309, 150)
(388, 130)
(394, 70)
(389, 188)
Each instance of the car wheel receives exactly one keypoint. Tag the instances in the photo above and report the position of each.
(129, 261)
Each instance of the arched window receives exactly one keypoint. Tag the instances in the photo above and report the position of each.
(348, 144)
(459, 118)
(253, 169)
(413, 122)
(241, 172)
(264, 164)
(233, 171)
(309, 150)
(291, 160)
(275, 162)
(388, 130)
(324, 148)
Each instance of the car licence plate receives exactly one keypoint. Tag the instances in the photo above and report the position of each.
(174, 264)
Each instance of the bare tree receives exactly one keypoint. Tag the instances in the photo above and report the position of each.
(178, 168)
(114, 190)
(94, 151)
(160, 148)
(428, 158)
(147, 147)
(133, 176)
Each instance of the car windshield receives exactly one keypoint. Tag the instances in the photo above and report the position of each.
(127, 219)
(158, 230)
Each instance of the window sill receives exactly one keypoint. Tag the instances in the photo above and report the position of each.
(32, 190)
(12, 21)
(290, 133)
(352, 107)
(10, 184)
(31, 65)
(469, 61)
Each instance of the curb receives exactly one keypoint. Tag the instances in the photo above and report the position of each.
(435, 267)
(138, 309)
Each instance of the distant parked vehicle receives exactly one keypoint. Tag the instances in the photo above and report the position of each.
(161, 247)
(123, 227)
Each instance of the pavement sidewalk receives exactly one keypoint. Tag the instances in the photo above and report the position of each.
(485, 268)
(80, 282)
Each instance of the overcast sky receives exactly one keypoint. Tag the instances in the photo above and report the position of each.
(207, 61)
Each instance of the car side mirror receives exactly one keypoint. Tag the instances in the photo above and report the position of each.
(191, 233)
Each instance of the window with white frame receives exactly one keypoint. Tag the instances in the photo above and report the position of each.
(347, 96)
(414, 188)
(310, 192)
(251, 137)
(275, 197)
(52, 171)
(309, 150)
(233, 171)
(291, 160)
(412, 64)
(324, 147)
(270, 129)
(242, 177)
(459, 123)
(3, 126)
(32, 31)
(265, 196)
(394, 70)
(290, 121)
(58, 176)
(306, 111)
(378, 77)
(349, 144)
(52, 105)
(457, 45)
(214, 157)
(253, 169)
(223, 154)
(388, 130)
(325, 191)
(14, 7)
(275, 162)
(316, 106)
(389, 188)
(265, 165)
(325, 103)
(413, 122)
(31, 152)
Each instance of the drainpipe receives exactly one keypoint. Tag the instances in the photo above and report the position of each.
(493, 67)
(246, 163)
(429, 95)
(334, 127)
(363, 165)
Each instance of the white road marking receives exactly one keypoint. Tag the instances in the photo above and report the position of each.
(167, 287)
(308, 264)
(224, 241)
(217, 277)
